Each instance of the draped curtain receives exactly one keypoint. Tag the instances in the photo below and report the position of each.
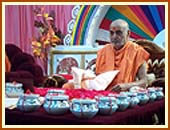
(19, 23)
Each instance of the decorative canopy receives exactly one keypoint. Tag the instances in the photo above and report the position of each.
(145, 21)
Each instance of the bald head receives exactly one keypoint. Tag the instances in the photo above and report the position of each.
(119, 33)
(120, 23)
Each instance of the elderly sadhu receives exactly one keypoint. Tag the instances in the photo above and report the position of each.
(123, 55)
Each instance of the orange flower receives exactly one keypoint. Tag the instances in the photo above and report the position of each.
(55, 38)
(36, 44)
(47, 36)
(36, 52)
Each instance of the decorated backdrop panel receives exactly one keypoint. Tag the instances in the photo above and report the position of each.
(93, 21)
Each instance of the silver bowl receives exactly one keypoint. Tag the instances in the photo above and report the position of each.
(107, 105)
(143, 97)
(56, 104)
(84, 108)
(123, 102)
(13, 89)
(159, 92)
(28, 102)
(133, 99)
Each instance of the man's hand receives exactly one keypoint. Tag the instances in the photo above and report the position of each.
(120, 87)
(142, 82)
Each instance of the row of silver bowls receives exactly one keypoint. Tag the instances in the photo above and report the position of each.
(57, 103)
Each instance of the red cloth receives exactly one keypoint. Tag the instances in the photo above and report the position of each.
(67, 76)
(74, 93)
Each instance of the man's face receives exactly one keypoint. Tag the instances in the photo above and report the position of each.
(118, 37)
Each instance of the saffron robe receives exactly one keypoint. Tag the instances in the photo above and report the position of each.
(128, 60)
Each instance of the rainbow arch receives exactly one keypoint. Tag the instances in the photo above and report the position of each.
(145, 21)
(82, 23)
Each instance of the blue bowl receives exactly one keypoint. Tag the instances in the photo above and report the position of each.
(57, 104)
(123, 102)
(28, 102)
(13, 89)
(107, 105)
(84, 108)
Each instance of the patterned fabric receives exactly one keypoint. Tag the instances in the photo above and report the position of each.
(65, 65)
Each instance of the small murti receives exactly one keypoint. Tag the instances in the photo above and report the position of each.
(28, 102)
(13, 89)
(56, 104)
(84, 108)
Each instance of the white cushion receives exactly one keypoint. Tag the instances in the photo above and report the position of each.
(88, 80)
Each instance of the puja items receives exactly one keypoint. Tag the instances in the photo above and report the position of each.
(133, 99)
(84, 108)
(159, 92)
(56, 104)
(55, 91)
(28, 102)
(143, 97)
(107, 104)
(13, 89)
(152, 94)
(122, 102)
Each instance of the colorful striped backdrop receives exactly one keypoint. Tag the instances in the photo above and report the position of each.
(145, 21)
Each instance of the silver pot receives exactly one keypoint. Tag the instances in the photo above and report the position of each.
(107, 105)
(28, 102)
(56, 104)
(143, 97)
(84, 108)
(123, 102)
(159, 93)
(13, 89)
(152, 94)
